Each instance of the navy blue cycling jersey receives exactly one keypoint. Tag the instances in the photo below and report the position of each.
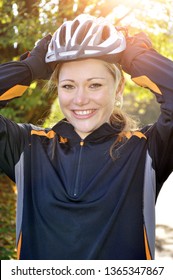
(74, 201)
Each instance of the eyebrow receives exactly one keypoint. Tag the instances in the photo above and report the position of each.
(66, 80)
(101, 78)
(70, 80)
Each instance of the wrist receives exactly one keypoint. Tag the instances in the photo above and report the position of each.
(38, 68)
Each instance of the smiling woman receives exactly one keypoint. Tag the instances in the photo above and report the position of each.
(87, 92)
(87, 186)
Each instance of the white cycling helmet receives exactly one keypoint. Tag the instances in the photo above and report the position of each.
(85, 37)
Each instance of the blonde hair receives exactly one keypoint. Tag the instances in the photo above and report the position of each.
(118, 119)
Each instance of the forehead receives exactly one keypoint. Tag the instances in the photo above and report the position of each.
(84, 68)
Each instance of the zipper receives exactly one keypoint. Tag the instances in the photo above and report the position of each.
(76, 186)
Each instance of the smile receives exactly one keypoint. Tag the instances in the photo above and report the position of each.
(84, 113)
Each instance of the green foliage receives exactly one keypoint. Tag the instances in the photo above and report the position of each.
(34, 106)
(54, 116)
(7, 219)
(141, 104)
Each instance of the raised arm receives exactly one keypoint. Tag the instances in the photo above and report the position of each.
(150, 69)
(16, 76)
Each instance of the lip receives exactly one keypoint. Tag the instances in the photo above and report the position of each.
(84, 114)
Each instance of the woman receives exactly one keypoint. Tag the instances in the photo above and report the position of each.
(87, 187)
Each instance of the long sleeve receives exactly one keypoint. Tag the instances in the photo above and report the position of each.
(15, 77)
(155, 72)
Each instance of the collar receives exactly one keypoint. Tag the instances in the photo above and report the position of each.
(66, 130)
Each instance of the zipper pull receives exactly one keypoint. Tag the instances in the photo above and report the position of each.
(82, 143)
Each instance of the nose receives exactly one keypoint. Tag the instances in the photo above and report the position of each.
(81, 96)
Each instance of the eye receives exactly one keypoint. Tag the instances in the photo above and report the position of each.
(67, 86)
(95, 85)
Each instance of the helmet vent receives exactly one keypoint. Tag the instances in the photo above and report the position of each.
(74, 27)
(105, 33)
(83, 32)
(62, 36)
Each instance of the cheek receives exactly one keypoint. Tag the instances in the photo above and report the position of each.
(109, 100)
(64, 99)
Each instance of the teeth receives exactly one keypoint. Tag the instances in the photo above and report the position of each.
(82, 113)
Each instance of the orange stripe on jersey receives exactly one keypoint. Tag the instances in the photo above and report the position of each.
(129, 134)
(146, 82)
(13, 92)
(139, 134)
(49, 134)
(63, 140)
(19, 246)
(147, 249)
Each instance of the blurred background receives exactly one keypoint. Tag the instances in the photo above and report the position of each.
(22, 23)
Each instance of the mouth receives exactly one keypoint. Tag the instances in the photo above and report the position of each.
(84, 113)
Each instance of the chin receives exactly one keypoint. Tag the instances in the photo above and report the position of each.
(84, 133)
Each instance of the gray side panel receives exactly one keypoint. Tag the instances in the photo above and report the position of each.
(19, 175)
(149, 203)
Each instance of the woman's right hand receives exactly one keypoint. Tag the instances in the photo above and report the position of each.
(35, 60)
